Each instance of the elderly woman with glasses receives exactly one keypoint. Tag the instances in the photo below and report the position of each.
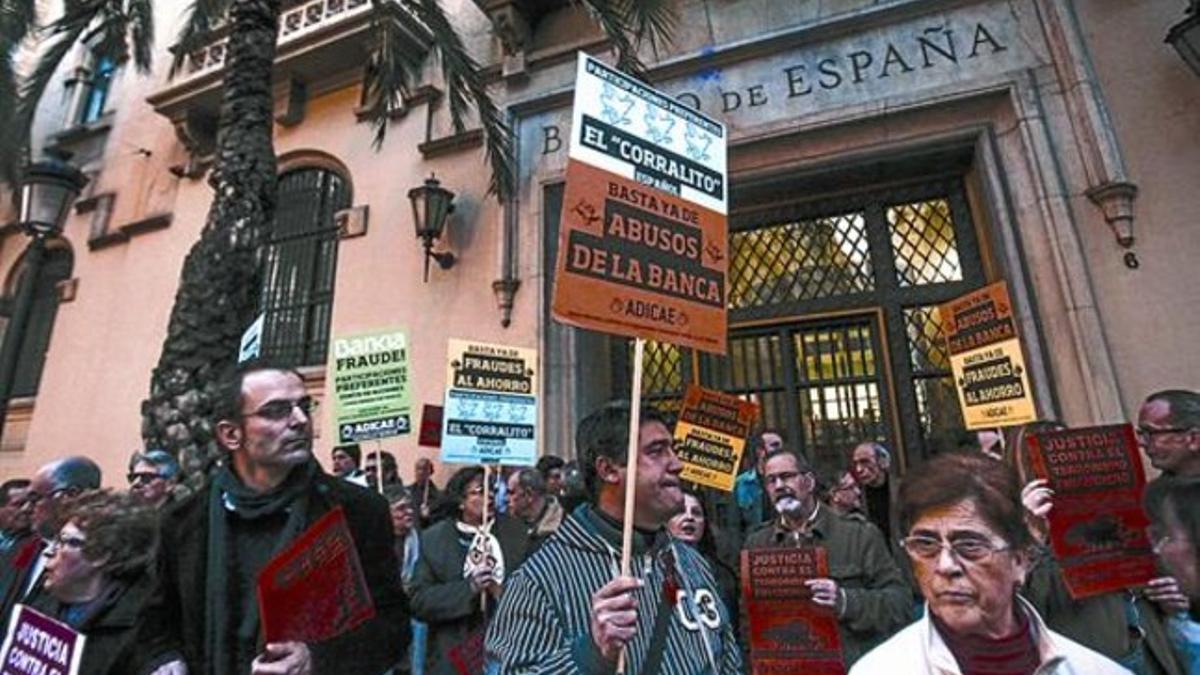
(967, 539)
(96, 576)
(460, 573)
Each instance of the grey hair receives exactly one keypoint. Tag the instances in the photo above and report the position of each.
(163, 461)
(532, 480)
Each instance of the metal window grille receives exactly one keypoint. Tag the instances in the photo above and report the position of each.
(842, 284)
(666, 370)
(300, 266)
(56, 267)
(800, 260)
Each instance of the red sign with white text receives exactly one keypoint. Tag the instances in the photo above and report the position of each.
(1097, 525)
(789, 633)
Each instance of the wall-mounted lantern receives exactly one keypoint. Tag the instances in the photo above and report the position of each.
(431, 204)
(1185, 37)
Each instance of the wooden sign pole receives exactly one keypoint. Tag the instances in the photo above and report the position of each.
(631, 462)
(379, 465)
(483, 528)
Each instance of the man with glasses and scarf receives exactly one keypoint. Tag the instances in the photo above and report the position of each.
(567, 609)
(21, 578)
(864, 586)
(204, 617)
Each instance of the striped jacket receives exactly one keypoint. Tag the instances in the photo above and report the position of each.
(543, 624)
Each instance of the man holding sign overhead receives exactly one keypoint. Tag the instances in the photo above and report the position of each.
(564, 611)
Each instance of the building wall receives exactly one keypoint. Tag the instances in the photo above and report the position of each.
(1097, 333)
(1152, 313)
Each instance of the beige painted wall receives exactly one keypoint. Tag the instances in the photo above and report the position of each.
(1151, 314)
(107, 339)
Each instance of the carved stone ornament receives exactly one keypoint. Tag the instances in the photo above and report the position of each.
(1116, 201)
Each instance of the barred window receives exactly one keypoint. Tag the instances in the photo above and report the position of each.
(300, 266)
(39, 325)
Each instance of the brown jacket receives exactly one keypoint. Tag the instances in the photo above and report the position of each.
(877, 602)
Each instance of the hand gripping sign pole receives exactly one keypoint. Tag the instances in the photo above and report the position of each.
(631, 463)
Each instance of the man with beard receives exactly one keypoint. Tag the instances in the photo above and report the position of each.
(269, 490)
(563, 610)
(864, 587)
(21, 578)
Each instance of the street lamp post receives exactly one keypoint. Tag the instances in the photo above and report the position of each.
(48, 190)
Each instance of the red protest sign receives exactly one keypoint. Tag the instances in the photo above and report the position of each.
(789, 633)
(315, 589)
(467, 656)
(431, 426)
(1097, 525)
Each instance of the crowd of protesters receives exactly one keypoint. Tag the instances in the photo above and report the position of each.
(947, 569)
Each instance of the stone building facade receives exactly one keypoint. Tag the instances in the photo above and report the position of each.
(884, 157)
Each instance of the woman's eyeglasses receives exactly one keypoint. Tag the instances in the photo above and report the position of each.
(967, 549)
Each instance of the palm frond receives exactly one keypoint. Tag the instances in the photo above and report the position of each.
(141, 32)
(388, 73)
(200, 19)
(467, 90)
(629, 23)
(17, 19)
(15, 144)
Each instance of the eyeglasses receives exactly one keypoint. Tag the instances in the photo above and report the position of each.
(142, 478)
(1147, 435)
(966, 549)
(282, 409)
(32, 498)
(73, 543)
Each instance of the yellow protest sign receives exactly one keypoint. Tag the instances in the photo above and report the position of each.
(986, 359)
(711, 435)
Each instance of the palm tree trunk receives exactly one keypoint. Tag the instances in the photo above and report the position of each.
(219, 287)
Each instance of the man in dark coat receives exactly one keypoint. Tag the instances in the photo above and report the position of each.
(204, 613)
(21, 571)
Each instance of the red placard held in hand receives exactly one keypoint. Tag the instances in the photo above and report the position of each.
(789, 633)
(315, 589)
(1097, 525)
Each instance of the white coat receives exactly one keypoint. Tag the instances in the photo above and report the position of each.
(920, 650)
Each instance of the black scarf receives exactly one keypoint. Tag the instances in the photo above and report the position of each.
(228, 494)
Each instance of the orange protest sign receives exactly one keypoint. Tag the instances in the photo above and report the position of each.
(711, 434)
(643, 246)
(641, 263)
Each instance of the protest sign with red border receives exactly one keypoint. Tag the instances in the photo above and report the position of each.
(711, 432)
(1097, 525)
(789, 633)
(315, 589)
